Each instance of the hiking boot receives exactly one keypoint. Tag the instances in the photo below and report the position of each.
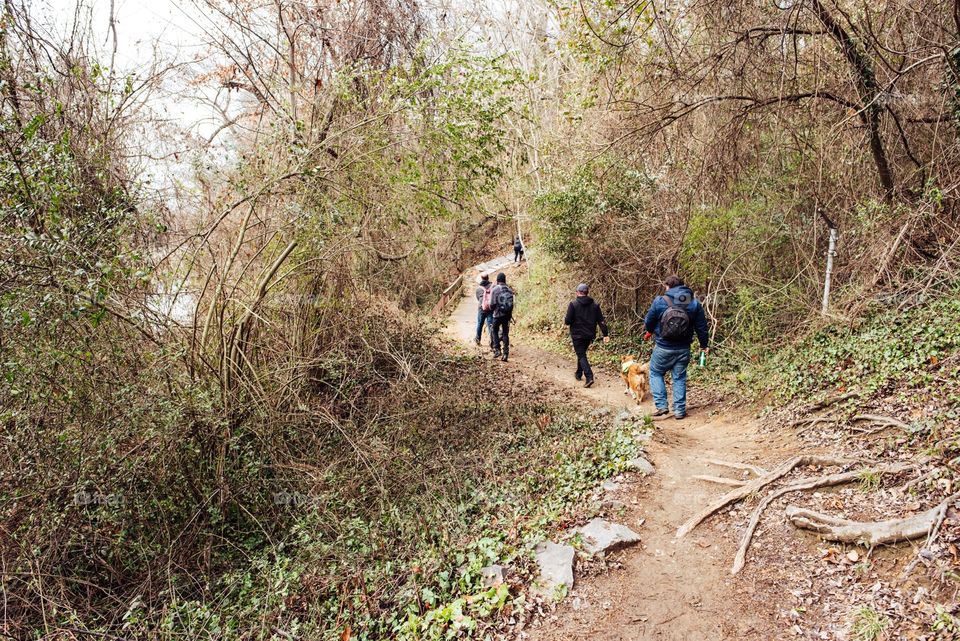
(504, 358)
(680, 417)
(589, 383)
(476, 342)
(497, 354)
(579, 377)
(661, 412)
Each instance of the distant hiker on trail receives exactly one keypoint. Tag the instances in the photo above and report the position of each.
(502, 315)
(674, 318)
(484, 307)
(583, 317)
(517, 249)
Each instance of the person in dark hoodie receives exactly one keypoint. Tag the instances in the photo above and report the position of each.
(517, 249)
(583, 317)
(484, 315)
(674, 318)
(502, 315)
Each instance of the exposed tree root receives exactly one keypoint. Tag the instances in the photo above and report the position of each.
(871, 533)
(808, 423)
(918, 480)
(759, 471)
(799, 485)
(828, 401)
(757, 484)
(719, 479)
(881, 420)
(932, 536)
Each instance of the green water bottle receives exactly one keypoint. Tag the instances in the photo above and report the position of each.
(703, 358)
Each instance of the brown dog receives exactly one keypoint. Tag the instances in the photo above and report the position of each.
(636, 375)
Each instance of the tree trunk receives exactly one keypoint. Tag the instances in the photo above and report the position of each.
(867, 87)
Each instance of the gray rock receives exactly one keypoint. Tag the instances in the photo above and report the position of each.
(610, 486)
(614, 505)
(623, 416)
(641, 464)
(556, 567)
(645, 437)
(491, 576)
(600, 535)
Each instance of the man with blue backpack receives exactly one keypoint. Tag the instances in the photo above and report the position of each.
(502, 307)
(674, 318)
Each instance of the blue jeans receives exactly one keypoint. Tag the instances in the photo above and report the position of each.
(484, 317)
(675, 362)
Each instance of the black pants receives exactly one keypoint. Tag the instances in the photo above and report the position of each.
(501, 334)
(580, 346)
(517, 255)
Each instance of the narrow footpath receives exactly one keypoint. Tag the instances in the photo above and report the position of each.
(665, 588)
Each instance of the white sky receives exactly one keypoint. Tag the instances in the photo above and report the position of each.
(172, 32)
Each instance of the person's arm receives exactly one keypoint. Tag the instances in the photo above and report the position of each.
(602, 322)
(653, 316)
(568, 319)
(700, 324)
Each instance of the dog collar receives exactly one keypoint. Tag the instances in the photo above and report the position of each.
(626, 366)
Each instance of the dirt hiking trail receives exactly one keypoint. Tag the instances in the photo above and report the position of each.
(663, 588)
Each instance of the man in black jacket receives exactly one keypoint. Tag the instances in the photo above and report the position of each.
(583, 317)
(502, 315)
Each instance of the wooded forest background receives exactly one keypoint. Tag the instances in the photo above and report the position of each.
(174, 357)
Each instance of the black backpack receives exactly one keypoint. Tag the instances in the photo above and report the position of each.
(504, 300)
(675, 322)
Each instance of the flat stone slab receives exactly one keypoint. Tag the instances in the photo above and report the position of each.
(614, 504)
(600, 535)
(610, 485)
(641, 464)
(556, 566)
(491, 576)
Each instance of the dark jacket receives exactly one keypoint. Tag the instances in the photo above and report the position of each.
(583, 316)
(517, 245)
(682, 296)
(484, 285)
(498, 312)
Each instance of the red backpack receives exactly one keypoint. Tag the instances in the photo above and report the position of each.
(487, 301)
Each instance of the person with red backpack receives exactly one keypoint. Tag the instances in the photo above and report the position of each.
(674, 318)
(484, 307)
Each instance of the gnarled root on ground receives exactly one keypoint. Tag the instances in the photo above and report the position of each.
(756, 469)
(869, 533)
(828, 480)
(758, 484)
(722, 480)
